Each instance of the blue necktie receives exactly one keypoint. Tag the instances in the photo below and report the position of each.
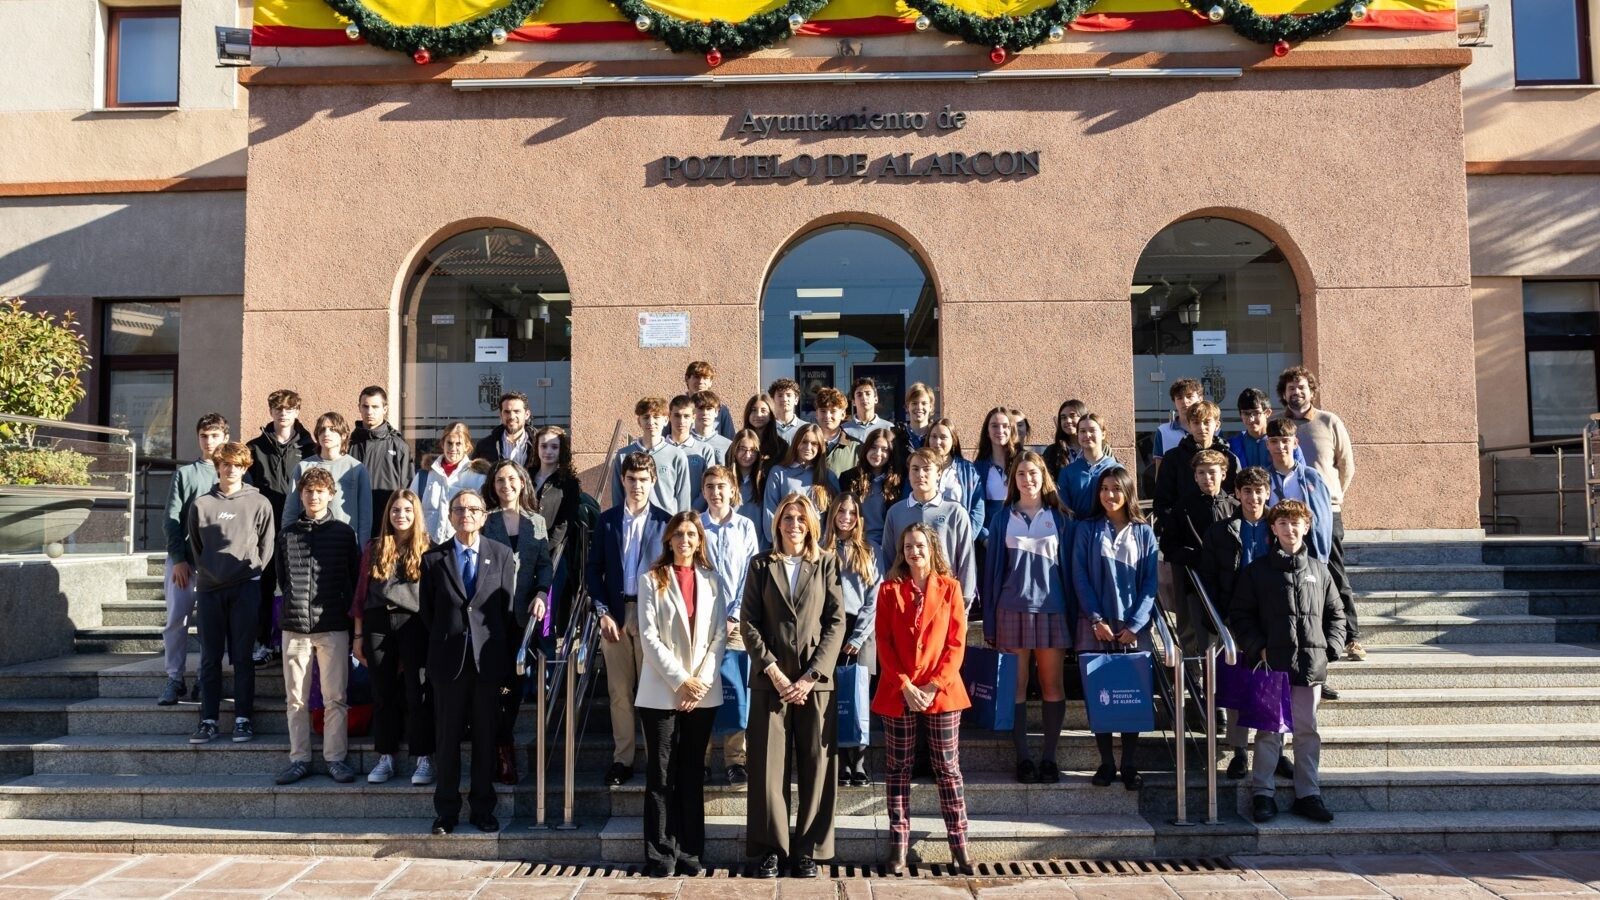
(469, 572)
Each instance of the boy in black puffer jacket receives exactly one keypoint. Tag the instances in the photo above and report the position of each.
(1287, 612)
(319, 561)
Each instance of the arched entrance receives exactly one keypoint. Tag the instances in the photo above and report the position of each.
(487, 312)
(1214, 300)
(847, 301)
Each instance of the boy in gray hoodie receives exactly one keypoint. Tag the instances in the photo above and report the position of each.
(231, 541)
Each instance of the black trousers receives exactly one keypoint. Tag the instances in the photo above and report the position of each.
(227, 621)
(397, 653)
(674, 789)
(1342, 580)
(509, 702)
(456, 700)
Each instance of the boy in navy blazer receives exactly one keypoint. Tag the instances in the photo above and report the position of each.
(465, 605)
(626, 542)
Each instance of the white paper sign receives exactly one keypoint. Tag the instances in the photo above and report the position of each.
(1210, 343)
(664, 329)
(491, 349)
(444, 318)
(1259, 309)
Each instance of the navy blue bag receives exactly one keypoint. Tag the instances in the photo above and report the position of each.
(1117, 691)
(734, 713)
(853, 686)
(991, 680)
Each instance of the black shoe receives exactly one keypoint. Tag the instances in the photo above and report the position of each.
(1239, 766)
(657, 870)
(861, 779)
(485, 822)
(767, 868)
(205, 734)
(1263, 808)
(737, 775)
(243, 732)
(1049, 772)
(1285, 769)
(1311, 808)
(689, 867)
(294, 772)
(805, 867)
(1027, 773)
(1132, 780)
(1328, 693)
(1104, 775)
(618, 774)
(174, 691)
(443, 826)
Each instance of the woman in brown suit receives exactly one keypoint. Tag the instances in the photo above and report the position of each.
(792, 621)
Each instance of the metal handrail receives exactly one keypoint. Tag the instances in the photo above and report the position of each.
(1591, 474)
(1560, 491)
(1230, 649)
(65, 426)
(1173, 652)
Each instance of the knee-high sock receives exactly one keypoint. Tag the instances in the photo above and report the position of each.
(1103, 743)
(1019, 730)
(1055, 712)
(1130, 748)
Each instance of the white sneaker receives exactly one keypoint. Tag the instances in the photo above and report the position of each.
(424, 773)
(383, 771)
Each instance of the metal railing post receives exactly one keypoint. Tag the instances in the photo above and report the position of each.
(1561, 491)
(1211, 735)
(1591, 476)
(133, 491)
(1494, 492)
(569, 784)
(539, 759)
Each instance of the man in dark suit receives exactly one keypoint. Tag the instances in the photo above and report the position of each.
(626, 542)
(465, 598)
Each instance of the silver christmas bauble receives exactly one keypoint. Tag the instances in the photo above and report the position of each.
(498, 36)
(352, 31)
(642, 23)
(1057, 33)
(1216, 14)
(1358, 12)
(923, 23)
(796, 21)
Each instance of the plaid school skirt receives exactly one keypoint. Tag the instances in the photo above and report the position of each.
(1031, 631)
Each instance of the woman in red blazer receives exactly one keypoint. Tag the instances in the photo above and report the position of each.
(922, 635)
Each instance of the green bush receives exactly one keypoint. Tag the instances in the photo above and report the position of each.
(42, 362)
(40, 465)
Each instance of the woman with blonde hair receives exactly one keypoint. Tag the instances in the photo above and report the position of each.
(792, 622)
(922, 631)
(682, 638)
(392, 641)
(445, 474)
(859, 577)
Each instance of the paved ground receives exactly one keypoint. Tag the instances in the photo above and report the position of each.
(26, 874)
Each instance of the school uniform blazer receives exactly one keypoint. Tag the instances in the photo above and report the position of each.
(676, 648)
(800, 632)
(924, 649)
(603, 568)
(457, 624)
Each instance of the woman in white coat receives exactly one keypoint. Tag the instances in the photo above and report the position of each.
(446, 474)
(681, 633)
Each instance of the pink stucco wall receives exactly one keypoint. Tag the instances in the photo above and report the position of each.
(1358, 174)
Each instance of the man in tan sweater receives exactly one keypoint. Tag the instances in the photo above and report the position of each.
(1327, 448)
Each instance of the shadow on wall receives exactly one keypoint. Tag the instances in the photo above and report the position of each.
(44, 603)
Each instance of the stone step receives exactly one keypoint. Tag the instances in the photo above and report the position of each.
(125, 639)
(1450, 603)
(1551, 576)
(865, 839)
(1431, 706)
(1446, 629)
(1459, 789)
(1411, 553)
(148, 589)
(1458, 666)
(1425, 831)
(1442, 577)
(150, 613)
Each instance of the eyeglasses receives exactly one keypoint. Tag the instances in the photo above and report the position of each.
(467, 511)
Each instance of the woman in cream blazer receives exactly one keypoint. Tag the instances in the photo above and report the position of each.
(682, 637)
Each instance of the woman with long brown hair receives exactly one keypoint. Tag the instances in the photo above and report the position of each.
(391, 640)
(804, 470)
(682, 638)
(558, 492)
(749, 469)
(877, 481)
(859, 578)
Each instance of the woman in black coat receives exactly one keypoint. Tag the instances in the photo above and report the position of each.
(558, 492)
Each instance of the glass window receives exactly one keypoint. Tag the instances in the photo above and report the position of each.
(1216, 301)
(140, 329)
(145, 403)
(846, 302)
(1551, 41)
(490, 313)
(1561, 327)
(142, 58)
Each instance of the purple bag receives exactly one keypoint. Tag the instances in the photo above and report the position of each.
(1264, 705)
(1233, 685)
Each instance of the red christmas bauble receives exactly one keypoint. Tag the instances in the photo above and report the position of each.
(1281, 48)
(997, 55)
(422, 57)
(714, 58)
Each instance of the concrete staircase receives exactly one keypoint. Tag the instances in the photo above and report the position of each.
(1473, 725)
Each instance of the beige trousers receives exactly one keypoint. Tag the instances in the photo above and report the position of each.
(624, 659)
(331, 649)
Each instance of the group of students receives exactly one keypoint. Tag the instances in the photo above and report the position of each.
(766, 557)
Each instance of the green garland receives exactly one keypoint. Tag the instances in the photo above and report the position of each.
(441, 42)
(758, 31)
(1253, 26)
(1011, 33)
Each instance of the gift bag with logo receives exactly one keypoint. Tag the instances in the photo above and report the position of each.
(991, 680)
(1117, 691)
(1264, 704)
(734, 713)
(852, 687)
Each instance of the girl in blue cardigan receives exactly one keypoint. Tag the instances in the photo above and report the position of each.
(1078, 481)
(1114, 573)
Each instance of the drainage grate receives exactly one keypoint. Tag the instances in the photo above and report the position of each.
(1052, 868)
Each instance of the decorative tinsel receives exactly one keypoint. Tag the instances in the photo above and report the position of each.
(729, 38)
(441, 42)
(1009, 33)
(1253, 26)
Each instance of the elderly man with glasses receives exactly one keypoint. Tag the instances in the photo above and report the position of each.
(465, 599)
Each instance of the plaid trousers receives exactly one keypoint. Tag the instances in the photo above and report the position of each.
(900, 737)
